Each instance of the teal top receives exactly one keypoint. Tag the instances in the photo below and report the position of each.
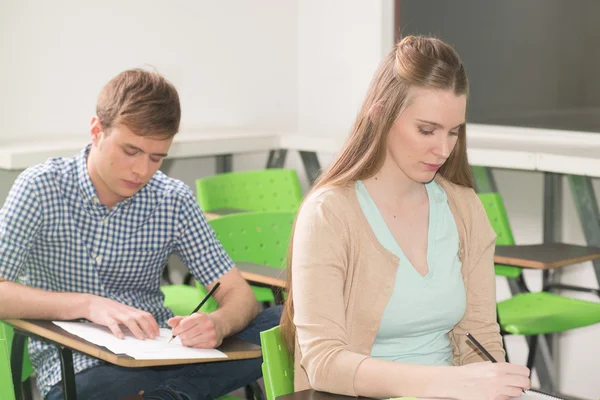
(422, 310)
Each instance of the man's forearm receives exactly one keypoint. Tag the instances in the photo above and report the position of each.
(20, 301)
(236, 311)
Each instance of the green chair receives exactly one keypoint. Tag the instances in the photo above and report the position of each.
(271, 189)
(256, 237)
(7, 331)
(278, 364)
(527, 313)
(6, 384)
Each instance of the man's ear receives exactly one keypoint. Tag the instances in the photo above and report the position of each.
(375, 112)
(96, 130)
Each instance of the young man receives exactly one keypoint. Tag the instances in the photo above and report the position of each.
(88, 237)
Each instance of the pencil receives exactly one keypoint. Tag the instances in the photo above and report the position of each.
(482, 349)
(210, 292)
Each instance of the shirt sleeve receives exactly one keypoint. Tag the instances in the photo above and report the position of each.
(197, 244)
(20, 222)
(319, 269)
(480, 315)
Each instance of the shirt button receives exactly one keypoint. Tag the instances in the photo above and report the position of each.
(105, 221)
(99, 259)
(95, 200)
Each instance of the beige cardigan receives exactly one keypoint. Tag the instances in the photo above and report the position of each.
(342, 279)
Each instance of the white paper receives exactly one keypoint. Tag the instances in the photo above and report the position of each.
(149, 349)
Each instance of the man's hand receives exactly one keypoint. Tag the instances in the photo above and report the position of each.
(198, 330)
(112, 314)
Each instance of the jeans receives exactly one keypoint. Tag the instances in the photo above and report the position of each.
(179, 382)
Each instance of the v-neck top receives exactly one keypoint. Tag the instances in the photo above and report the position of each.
(422, 310)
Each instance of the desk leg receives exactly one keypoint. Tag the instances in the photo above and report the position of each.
(68, 373)
(277, 158)
(311, 165)
(16, 362)
(552, 234)
(587, 208)
(224, 163)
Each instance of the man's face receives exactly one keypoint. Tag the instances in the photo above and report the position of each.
(123, 162)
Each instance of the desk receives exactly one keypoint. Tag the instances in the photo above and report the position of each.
(262, 274)
(545, 256)
(45, 330)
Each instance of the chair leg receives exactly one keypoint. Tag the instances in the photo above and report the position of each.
(532, 341)
(254, 392)
(27, 391)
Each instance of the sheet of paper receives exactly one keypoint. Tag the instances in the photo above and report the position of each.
(149, 349)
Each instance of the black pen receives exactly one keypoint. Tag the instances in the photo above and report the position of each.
(210, 292)
(482, 349)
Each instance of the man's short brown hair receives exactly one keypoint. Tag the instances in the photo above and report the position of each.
(143, 101)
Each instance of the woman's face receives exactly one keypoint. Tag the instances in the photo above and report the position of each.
(423, 137)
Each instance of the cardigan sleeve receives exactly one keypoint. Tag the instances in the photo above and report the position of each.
(319, 270)
(480, 315)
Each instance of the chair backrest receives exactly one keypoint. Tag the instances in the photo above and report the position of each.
(8, 331)
(257, 237)
(278, 364)
(270, 189)
(6, 384)
(494, 208)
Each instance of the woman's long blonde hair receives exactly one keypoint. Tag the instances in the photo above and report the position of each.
(415, 61)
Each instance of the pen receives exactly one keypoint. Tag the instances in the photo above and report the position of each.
(482, 349)
(210, 292)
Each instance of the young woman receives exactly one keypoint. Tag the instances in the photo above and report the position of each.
(391, 262)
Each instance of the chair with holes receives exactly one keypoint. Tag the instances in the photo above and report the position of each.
(527, 313)
(25, 389)
(6, 384)
(271, 189)
(256, 237)
(277, 366)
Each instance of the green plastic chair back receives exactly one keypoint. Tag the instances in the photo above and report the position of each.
(278, 364)
(494, 208)
(8, 332)
(6, 384)
(257, 237)
(263, 190)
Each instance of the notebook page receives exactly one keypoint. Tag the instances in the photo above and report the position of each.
(149, 349)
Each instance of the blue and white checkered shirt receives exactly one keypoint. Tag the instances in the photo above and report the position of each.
(56, 236)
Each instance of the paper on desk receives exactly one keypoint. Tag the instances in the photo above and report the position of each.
(149, 349)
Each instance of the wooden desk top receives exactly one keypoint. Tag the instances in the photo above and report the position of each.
(264, 274)
(545, 256)
(235, 349)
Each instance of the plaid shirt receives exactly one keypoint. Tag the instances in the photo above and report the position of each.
(56, 236)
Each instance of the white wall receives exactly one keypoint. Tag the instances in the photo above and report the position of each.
(233, 61)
